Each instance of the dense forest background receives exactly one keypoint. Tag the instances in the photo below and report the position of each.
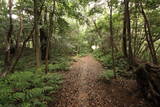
(40, 38)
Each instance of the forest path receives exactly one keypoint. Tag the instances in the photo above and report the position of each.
(80, 86)
(83, 88)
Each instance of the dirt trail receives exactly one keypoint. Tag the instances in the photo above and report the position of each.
(82, 88)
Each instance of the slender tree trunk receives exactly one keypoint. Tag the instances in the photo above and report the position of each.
(20, 31)
(47, 56)
(36, 35)
(124, 43)
(149, 36)
(99, 35)
(112, 40)
(97, 31)
(136, 28)
(20, 52)
(51, 21)
(128, 32)
(44, 35)
(9, 38)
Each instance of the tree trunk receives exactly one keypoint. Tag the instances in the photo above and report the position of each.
(44, 36)
(124, 43)
(36, 36)
(43, 41)
(8, 58)
(111, 38)
(136, 29)
(51, 21)
(149, 36)
(20, 52)
(20, 31)
(128, 32)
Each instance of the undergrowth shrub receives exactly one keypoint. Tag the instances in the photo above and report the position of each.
(1, 64)
(82, 54)
(107, 75)
(60, 64)
(59, 67)
(106, 59)
(28, 89)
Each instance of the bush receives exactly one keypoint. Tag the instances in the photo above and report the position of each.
(59, 67)
(97, 53)
(28, 89)
(106, 59)
(60, 64)
(107, 75)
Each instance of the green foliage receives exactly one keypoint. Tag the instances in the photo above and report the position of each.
(95, 10)
(82, 54)
(60, 63)
(28, 89)
(106, 59)
(59, 67)
(109, 74)
(56, 63)
(1, 64)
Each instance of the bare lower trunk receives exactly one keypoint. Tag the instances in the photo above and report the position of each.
(128, 32)
(7, 61)
(112, 41)
(19, 54)
(49, 36)
(36, 35)
(46, 58)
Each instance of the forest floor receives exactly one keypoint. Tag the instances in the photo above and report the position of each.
(83, 87)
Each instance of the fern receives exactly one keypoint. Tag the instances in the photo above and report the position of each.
(28, 89)
(18, 96)
(26, 104)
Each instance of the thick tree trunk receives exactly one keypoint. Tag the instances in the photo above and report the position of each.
(44, 36)
(36, 35)
(43, 41)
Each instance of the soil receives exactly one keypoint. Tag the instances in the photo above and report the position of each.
(83, 87)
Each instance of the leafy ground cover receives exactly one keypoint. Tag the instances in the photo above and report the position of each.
(28, 89)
